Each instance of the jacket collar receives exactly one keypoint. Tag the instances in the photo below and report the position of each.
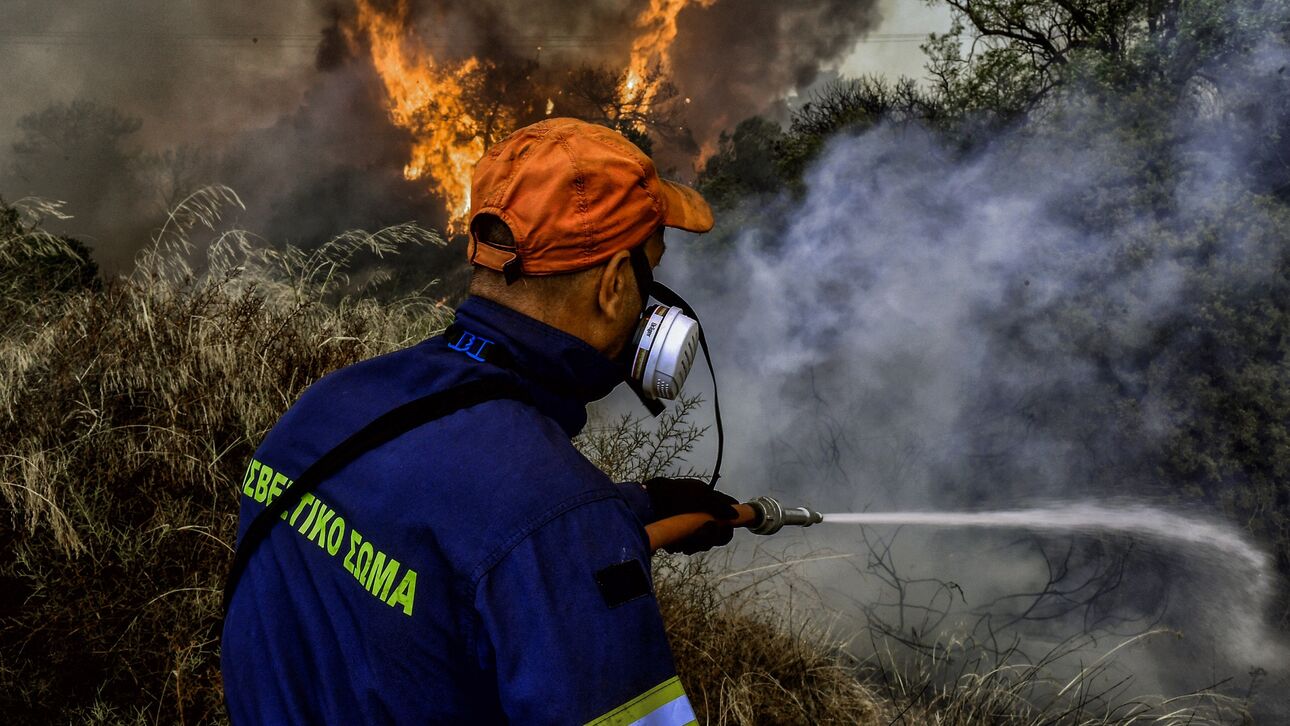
(565, 372)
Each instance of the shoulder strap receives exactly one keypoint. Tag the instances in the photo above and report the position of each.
(386, 427)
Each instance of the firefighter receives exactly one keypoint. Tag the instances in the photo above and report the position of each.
(470, 566)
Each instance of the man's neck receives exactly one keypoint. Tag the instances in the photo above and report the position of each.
(560, 317)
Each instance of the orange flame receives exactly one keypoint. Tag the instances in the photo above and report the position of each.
(425, 97)
(652, 49)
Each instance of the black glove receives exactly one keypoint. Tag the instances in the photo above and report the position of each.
(669, 497)
(712, 533)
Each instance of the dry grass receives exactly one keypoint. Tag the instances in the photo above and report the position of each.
(128, 411)
(126, 414)
(962, 683)
(748, 659)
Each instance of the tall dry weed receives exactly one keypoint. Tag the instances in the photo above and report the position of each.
(126, 414)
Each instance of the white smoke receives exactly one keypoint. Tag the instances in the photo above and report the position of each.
(859, 334)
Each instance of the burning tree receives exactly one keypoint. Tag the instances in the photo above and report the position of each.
(455, 108)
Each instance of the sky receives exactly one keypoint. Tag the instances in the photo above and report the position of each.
(897, 56)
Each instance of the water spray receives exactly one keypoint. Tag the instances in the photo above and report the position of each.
(1123, 518)
(765, 515)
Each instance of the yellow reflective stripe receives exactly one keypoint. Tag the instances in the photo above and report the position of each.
(676, 712)
(643, 705)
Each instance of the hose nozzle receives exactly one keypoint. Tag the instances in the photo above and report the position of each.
(773, 516)
(763, 515)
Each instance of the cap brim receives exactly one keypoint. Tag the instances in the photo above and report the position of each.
(686, 209)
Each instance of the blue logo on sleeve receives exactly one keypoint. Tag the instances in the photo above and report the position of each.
(472, 345)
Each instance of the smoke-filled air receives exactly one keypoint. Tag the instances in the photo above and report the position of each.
(1017, 325)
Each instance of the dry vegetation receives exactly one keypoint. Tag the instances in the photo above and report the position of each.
(129, 410)
(127, 413)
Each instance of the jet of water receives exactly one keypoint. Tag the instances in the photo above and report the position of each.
(1132, 519)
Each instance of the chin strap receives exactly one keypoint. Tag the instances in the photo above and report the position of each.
(665, 295)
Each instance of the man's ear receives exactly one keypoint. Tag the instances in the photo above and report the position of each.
(617, 286)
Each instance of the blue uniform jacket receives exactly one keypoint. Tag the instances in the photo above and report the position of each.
(475, 570)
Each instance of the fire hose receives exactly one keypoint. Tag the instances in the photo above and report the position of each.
(763, 515)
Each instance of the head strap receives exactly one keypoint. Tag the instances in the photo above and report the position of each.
(643, 272)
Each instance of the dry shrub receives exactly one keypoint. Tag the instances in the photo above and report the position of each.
(128, 414)
(745, 659)
(629, 448)
(960, 683)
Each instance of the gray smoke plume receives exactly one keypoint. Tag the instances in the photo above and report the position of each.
(195, 72)
(736, 58)
(185, 81)
(913, 334)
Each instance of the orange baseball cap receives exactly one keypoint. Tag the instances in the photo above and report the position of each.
(574, 193)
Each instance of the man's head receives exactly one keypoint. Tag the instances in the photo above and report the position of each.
(556, 210)
(599, 304)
